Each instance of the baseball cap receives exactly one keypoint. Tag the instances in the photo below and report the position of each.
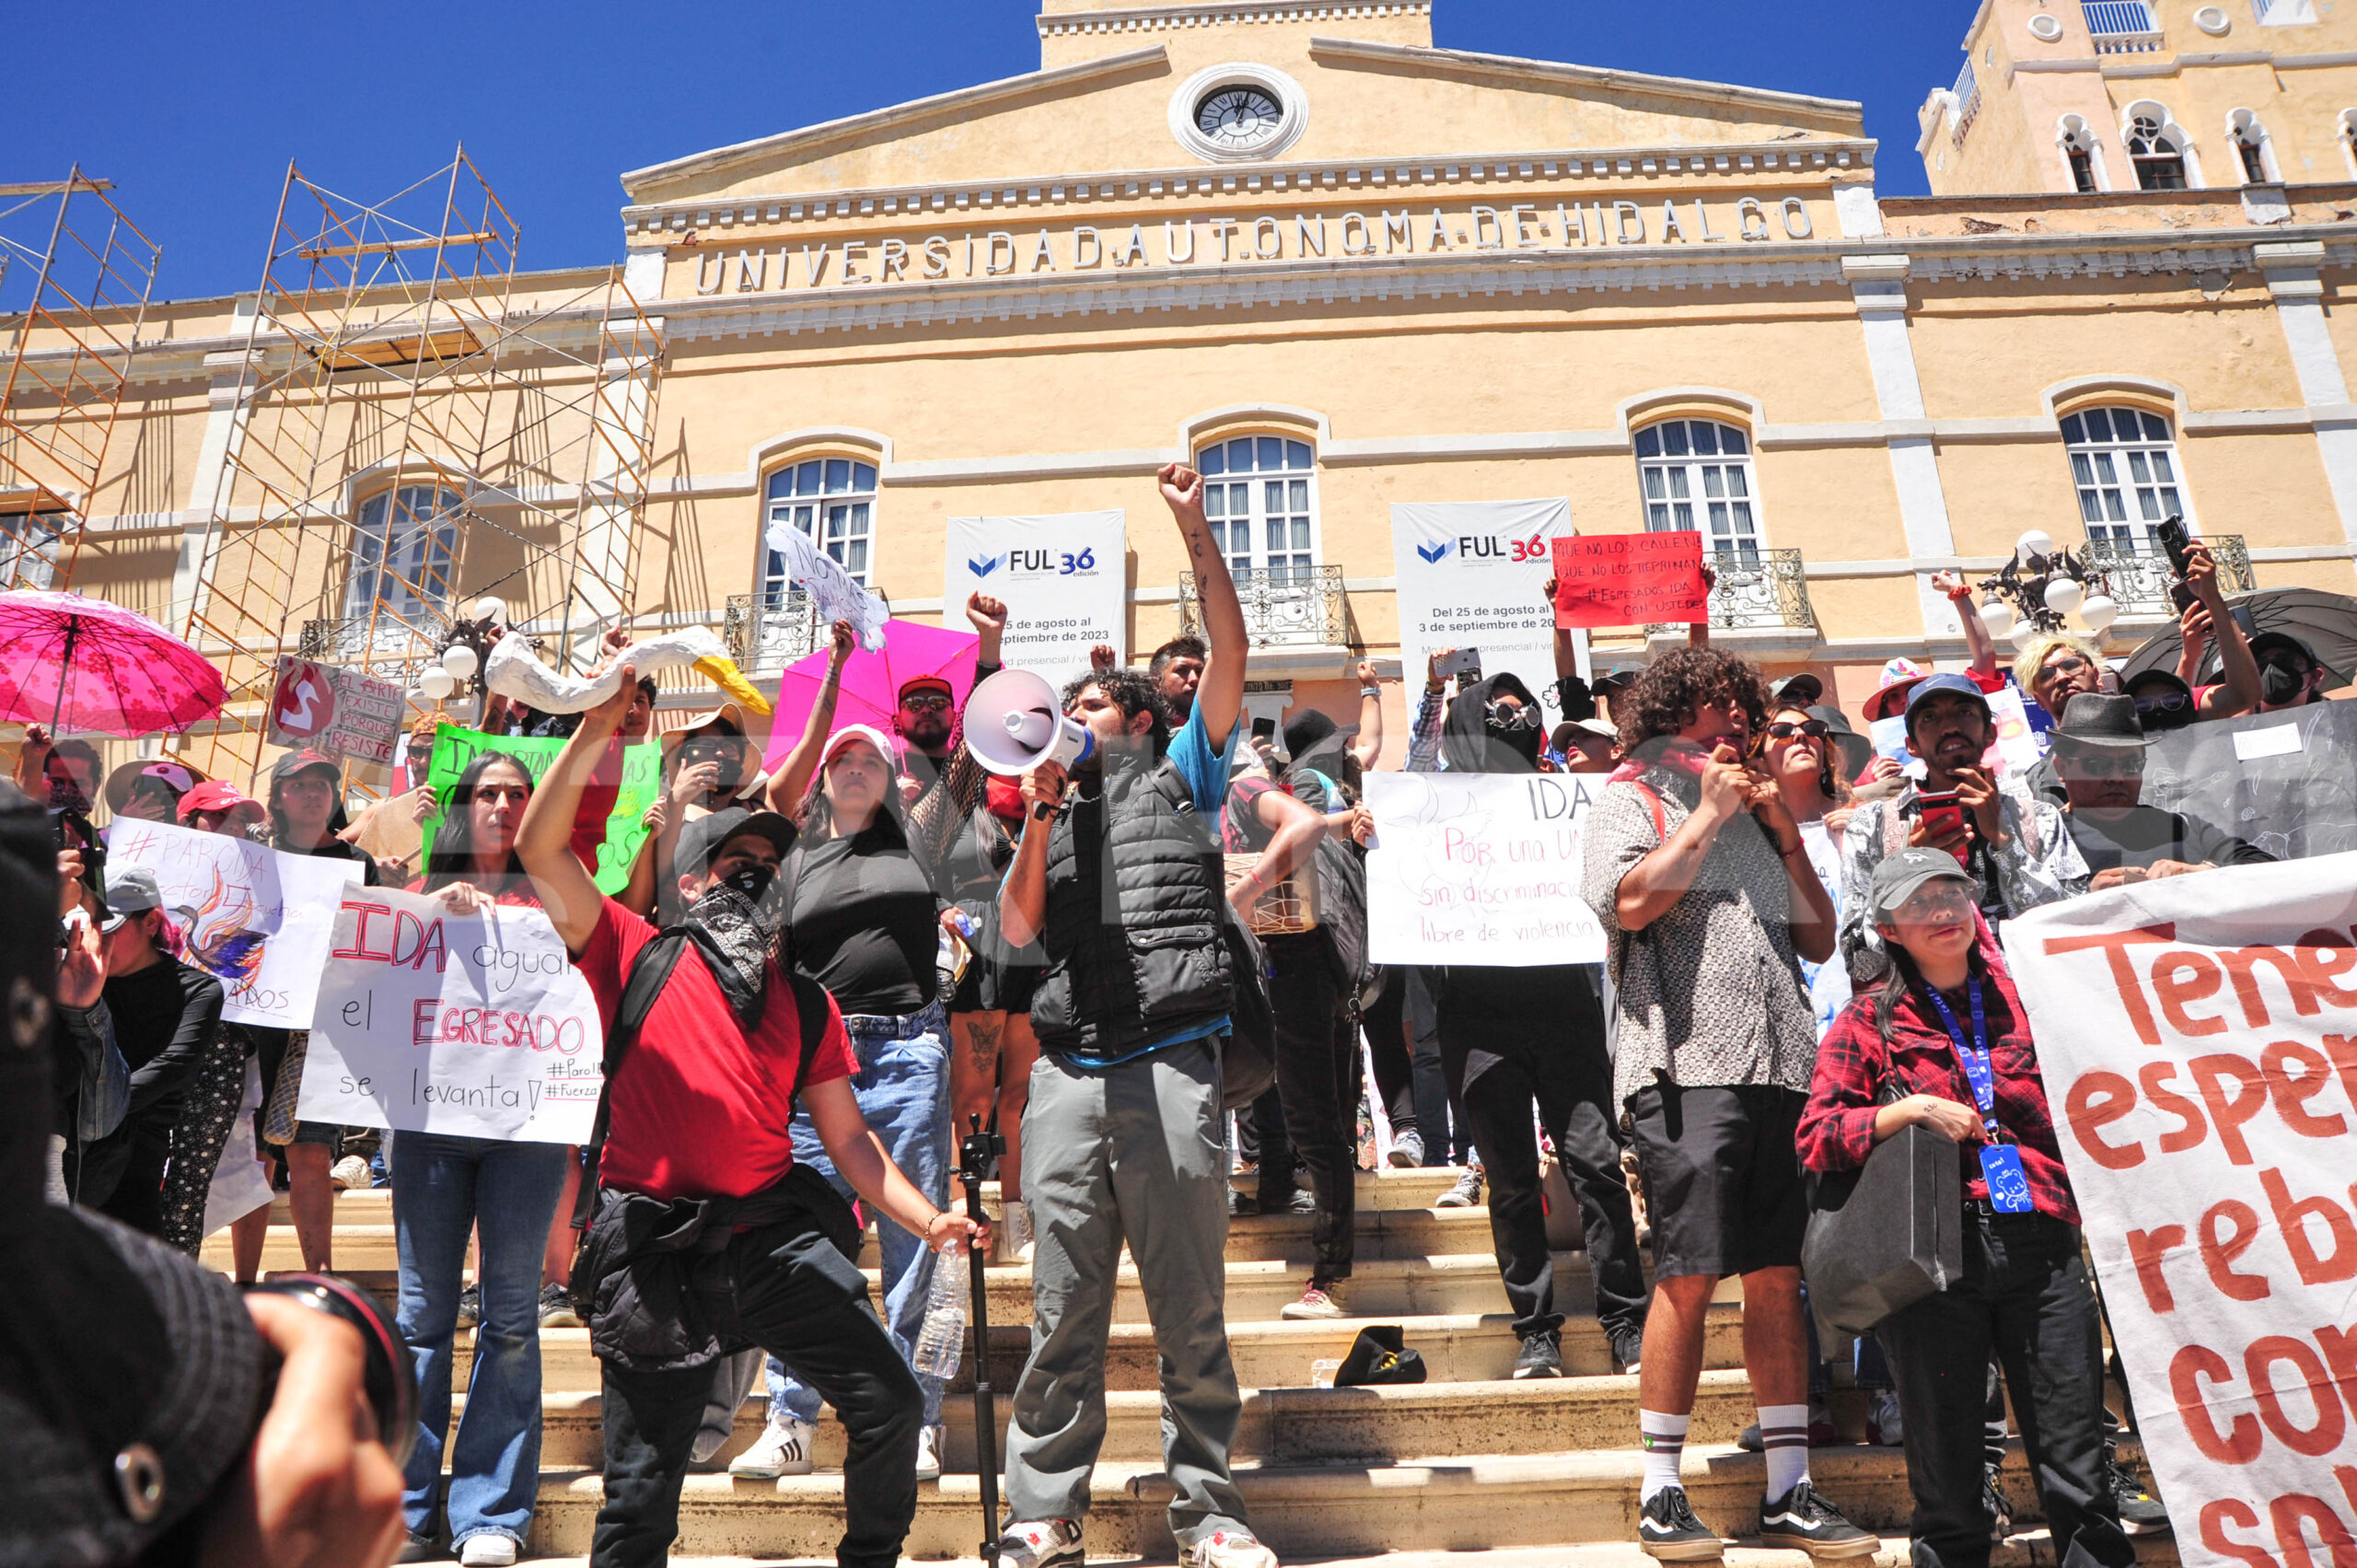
(178, 776)
(214, 795)
(868, 733)
(928, 682)
(1932, 686)
(303, 762)
(704, 838)
(131, 889)
(1898, 678)
(1801, 691)
(1898, 876)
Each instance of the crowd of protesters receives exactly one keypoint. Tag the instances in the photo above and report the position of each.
(817, 973)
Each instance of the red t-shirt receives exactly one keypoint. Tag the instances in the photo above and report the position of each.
(700, 1109)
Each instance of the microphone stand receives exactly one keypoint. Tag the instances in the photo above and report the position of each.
(980, 1148)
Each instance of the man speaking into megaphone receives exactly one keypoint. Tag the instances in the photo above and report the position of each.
(1118, 877)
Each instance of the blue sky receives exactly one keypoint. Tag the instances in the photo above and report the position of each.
(194, 110)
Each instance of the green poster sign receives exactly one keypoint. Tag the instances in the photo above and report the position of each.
(642, 781)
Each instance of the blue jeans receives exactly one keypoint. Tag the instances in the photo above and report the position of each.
(443, 1188)
(903, 1086)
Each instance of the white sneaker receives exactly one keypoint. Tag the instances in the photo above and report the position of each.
(1040, 1543)
(1226, 1549)
(1016, 1243)
(1316, 1305)
(487, 1551)
(782, 1448)
(931, 1441)
(353, 1171)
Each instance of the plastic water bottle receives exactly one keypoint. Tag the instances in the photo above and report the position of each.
(941, 1343)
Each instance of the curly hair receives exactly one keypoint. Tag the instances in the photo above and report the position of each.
(1132, 691)
(1676, 685)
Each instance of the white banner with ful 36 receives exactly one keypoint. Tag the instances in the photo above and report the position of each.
(1064, 580)
(1469, 576)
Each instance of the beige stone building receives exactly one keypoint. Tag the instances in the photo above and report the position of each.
(1293, 241)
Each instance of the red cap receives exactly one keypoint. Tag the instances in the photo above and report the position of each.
(215, 796)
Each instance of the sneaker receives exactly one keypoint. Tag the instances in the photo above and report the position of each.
(1315, 1304)
(1042, 1543)
(1226, 1549)
(557, 1308)
(1242, 1204)
(1407, 1152)
(1885, 1429)
(2140, 1513)
(1300, 1202)
(1997, 1505)
(931, 1440)
(349, 1172)
(470, 1307)
(1801, 1518)
(1628, 1351)
(487, 1551)
(1543, 1354)
(1667, 1530)
(1016, 1244)
(418, 1549)
(1466, 1194)
(782, 1448)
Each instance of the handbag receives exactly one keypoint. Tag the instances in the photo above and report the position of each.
(1885, 1236)
(1287, 907)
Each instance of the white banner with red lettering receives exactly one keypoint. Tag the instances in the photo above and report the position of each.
(430, 1022)
(2198, 1042)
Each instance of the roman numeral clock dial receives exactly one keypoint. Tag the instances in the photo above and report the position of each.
(1238, 117)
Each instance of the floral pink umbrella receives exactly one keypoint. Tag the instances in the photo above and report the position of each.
(78, 664)
(872, 682)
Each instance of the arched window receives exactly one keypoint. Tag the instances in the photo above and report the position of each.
(2077, 140)
(2344, 129)
(2123, 462)
(2157, 154)
(1260, 495)
(832, 501)
(1695, 473)
(401, 564)
(2250, 143)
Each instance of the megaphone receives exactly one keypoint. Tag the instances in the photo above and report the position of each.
(1014, 723)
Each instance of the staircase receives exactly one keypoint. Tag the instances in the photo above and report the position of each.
(1467, 1463)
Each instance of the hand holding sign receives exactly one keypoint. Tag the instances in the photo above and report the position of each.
(1631, 580)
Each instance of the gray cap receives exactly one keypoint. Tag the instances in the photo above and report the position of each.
(1898, 877)
(131, 889)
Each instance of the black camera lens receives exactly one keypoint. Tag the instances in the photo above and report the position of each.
(388, 1380)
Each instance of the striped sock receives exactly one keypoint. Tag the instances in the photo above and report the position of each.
(1664, 1439)
(1784, 1430)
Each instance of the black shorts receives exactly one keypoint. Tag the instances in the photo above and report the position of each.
(1722, 1168)
(991, 987)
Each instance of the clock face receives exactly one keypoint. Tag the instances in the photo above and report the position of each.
(1238, 117)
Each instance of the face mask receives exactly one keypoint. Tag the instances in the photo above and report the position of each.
(751, 880)
(2278, 684)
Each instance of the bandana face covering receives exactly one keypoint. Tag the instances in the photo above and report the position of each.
(743, 926)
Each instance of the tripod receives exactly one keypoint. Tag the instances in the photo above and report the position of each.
(977, 1153)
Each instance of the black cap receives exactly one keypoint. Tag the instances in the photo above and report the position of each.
(303, 762)
(1802, 691)
(702, 839)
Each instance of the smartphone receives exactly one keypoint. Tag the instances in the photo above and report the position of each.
(2171, 535)
(1942, 811)
(1264, 730)
(1464, 662)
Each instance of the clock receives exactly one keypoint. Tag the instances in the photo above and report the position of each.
(1240, 118)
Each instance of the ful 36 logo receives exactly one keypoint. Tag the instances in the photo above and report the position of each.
(1488, 546)
(1035, 563)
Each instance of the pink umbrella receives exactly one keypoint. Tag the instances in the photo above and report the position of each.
(79, 664)
(872, 682)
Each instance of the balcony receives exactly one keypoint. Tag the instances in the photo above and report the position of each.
(2122, 27)
(1967, 104)
(1759, 606)
(395, 650)
(765, 635)
(1298, 619)
(2136, 573)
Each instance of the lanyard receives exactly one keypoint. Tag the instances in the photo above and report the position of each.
(1975, 1058)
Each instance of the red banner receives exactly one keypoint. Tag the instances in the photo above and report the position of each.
(1630, 579)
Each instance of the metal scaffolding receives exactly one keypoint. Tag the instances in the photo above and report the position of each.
(417, 425)
(68, 336)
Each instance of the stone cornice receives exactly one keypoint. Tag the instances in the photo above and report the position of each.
(1216, 13)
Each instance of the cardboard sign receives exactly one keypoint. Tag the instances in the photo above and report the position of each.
(1469, 576)
(343, 712)
(255, 919)
(1479, 868)
(1630, 579)
(430, 1022)
(642, 781)
(2197, 1037)
(1064, 580)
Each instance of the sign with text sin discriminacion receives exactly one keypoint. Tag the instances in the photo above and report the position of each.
(1479, 868)
(477, 1026)
(2197, 1037)
(1630, 579)
(1064, 580)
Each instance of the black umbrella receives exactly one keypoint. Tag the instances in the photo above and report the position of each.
(2326, 623)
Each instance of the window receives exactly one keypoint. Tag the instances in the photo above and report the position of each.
(2283, 13)
(2250, 139)
(29, 543)
(2158, 159)
(2124, 464)
(832, 501)
(2080, 158)
(1696, 474)
(401, 554)
(1261, 495)
(2082, 171)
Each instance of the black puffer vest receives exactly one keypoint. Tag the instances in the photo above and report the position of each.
(1137, 954)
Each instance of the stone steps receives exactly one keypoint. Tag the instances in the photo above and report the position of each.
(2031, 1549)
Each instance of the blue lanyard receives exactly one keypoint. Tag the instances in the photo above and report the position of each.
(1974, 1057)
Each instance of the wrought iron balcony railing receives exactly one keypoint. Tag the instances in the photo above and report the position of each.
(1298, 607)
(2122, 27)
(388, 649)
(1758, 591)
(1967, 103)
(765, 632)
(2136, 572)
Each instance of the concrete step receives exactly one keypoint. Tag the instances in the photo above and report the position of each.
(2032, 1549)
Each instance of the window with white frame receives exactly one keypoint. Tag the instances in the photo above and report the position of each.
(2123, 463)
(2077, 140)
(2283, 13)
(402, 549)
(2156, 153)
(29, 542)
(1695, 473)
(1261, 496)
(2250, 139)
(833, 502)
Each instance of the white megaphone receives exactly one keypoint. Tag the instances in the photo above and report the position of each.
(1014, 723)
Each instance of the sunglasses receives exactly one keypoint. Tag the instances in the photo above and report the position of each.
(1785, 730)
(2069, 664)
(2165, 702)
(925, 702)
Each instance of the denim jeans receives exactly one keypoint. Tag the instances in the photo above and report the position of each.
(903, 1086)
(445, 1186)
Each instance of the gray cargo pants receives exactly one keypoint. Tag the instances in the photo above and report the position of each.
(1137, 1153)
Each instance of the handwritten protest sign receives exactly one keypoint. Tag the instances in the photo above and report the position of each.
(429, 1022)
(1630, 579)
(642, 780)
(1479, 868)
(343, 712)
(255, 919)
(2197, 1037)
